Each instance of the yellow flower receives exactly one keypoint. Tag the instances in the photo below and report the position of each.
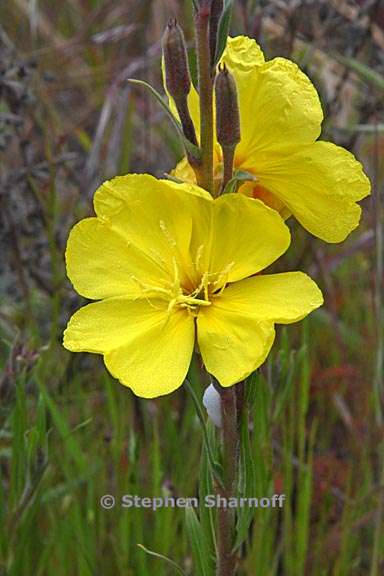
(280, 112)
(167, 261)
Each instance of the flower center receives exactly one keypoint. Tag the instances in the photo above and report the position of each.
(191, 297)
(190, 302)
(192, 285)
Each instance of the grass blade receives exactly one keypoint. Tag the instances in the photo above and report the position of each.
(203, 561)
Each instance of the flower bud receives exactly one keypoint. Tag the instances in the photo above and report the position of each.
(227, 109)
(177, 76)
(212, 404)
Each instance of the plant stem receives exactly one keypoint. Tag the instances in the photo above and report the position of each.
(206, 95)
(225, 516)
(228, 156)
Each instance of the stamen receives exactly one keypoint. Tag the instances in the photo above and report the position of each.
(174, 292)
(176, 284)
(152, 305)
(206, 285)
(193, 301)
(145, 288)
(200, 287)
(199, 255)
(222, 279)
(166, 233)
(171, 306)
(178, 257)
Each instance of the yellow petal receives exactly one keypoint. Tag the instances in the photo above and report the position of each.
(247, 236)
(154, 215)
(280, 111)
(156, 360)
(320, 186)
(184, 171)
(283, 298)
(194, 109)
(101, 263)
(236, 332)
(144, 347)
(232, 345)
(242, 53)
(103, 326)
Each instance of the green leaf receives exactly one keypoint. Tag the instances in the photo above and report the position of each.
(203, 561)
(223, 30)
(207, 516)
(162, 557)
(289, 362)
(61, 424)
(240, 176)
(216, 468)
(247, 482)
(192, 59)
(251, 384)
(364, 71)
(303, 505)
(191, 149)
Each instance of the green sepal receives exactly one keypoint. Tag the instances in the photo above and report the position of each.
(239, 177)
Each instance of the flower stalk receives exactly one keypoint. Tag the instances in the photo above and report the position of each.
(205, 80)
(226, 560)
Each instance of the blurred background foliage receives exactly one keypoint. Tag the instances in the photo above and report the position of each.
(68, 432)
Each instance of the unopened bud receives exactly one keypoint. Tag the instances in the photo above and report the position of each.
(177, 76)
(212, 403)
(227, 109)
(216, 11)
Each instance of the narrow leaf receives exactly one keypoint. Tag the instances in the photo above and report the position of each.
(203, 561)
(191, 149)
(251, 384)
(206, 488)
(364, 71)
(161, 557)
(223, 30)
(248, 482)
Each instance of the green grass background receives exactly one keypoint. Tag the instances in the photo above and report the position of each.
(69, 433)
